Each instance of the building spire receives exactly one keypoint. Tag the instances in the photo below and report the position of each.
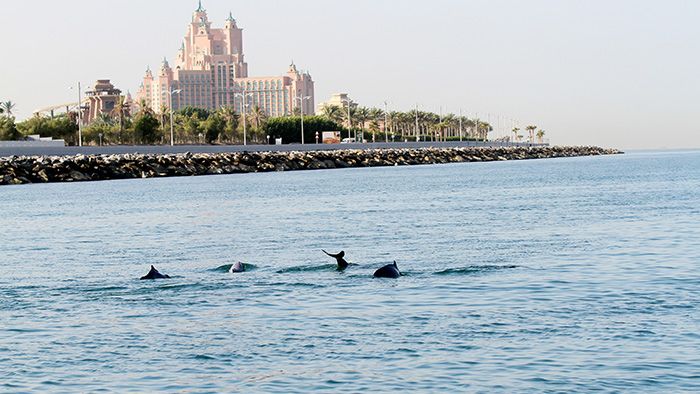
(230, 17)
(200, 8)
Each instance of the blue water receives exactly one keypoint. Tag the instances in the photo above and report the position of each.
(562, 275)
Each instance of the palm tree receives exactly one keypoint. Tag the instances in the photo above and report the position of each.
(121, 111)
(104, 119)
(531, 132)
(164, 116)
(144, 108)
(450, 123)
(7, 107)
(362, 115)
(515, 133)
(349, 115)
(540, 135)
(376, 116)
(395, 122)
(258, 117)
(229, 115)
(483, 130)
(333, 112)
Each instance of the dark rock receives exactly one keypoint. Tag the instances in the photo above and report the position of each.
(18, 170)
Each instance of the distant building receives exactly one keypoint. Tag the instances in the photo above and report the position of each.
(210, 72)
(337, 100)
(103, 99)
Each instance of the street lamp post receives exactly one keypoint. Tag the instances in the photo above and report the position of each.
(80, 116)
(417, 137)
(438, 132)
(488, 121)
(172, 126)
(460, 125)
(386, 123)
(301, 107)
(348, 101)
(244, 96)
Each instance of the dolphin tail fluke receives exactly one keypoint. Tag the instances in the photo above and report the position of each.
(335, 256)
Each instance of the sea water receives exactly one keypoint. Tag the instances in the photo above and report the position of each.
(559, 275)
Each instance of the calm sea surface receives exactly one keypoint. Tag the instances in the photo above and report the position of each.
(563, 275)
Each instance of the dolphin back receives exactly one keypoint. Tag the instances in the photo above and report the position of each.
(237, 268)
(388, 271)
(154, 274)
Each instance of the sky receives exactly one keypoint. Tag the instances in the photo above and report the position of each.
(614, 73)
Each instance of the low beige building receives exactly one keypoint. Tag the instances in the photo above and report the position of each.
(338, 100)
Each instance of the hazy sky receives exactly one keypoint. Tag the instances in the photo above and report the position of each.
(623, 73)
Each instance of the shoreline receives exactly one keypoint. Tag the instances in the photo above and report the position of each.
(16, 170)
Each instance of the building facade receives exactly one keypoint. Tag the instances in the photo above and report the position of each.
(103, 99)
(339, 100)
(210, 72)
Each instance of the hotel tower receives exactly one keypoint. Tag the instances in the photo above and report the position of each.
(210, 72)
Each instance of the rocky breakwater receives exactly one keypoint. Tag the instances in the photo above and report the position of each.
(43, 169)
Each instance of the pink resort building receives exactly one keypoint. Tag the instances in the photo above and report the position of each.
(210, 72)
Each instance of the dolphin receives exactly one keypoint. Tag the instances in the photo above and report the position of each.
(388, 271)
(154, 274)
(237, 268)
(342, 264)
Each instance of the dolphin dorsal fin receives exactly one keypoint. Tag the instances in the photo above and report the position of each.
(395, 265)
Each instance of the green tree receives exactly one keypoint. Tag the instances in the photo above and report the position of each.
(540, 136)
(8, 129)
(189, 111)
(515, 133)
(531, 133)
(231, 118)
(121, 111)
(7, 107)
(333, 113)
(362, 115)
(191, 127)
(213, 128)
(289, 128)
(146, 128)
(108, 130)
(59, 127)
(258, 117)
